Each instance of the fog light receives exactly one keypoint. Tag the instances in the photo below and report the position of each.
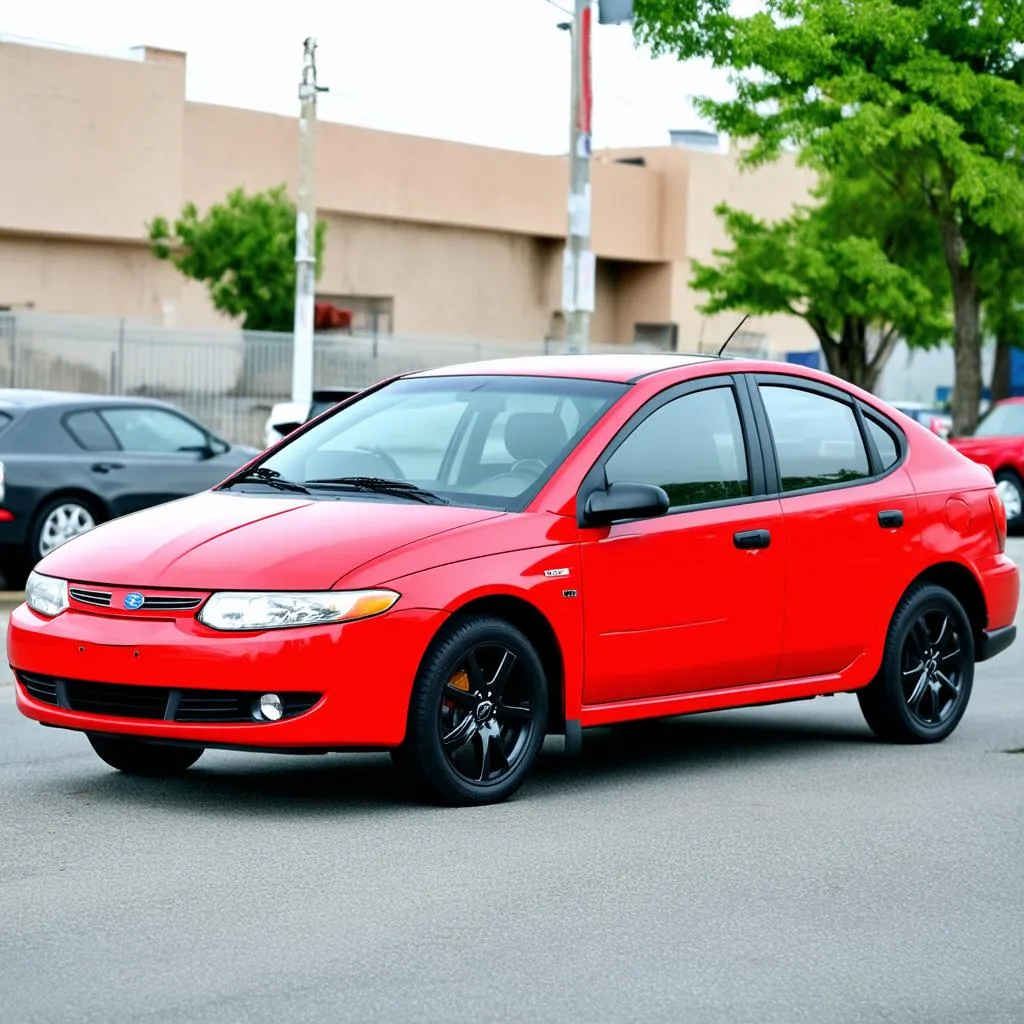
(269, 708)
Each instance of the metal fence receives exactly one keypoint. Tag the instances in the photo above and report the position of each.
(228, 379)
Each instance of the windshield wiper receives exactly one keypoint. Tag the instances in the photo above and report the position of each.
(379, 485)
(270, 477)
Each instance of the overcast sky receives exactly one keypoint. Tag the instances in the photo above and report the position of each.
(493, 72)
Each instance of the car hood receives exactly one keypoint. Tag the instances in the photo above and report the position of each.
(231, 541)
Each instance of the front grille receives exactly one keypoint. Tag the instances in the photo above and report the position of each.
(161, 603)
(97, 598)
(41, 687)
(151, 603)
(116, 699)
(158, 702)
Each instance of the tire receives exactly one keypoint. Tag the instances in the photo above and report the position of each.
(1011, 491)
(924, 685)
(137, 757)
(477, 717)
(58, 521)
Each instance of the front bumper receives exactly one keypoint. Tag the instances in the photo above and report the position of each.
(365, 671)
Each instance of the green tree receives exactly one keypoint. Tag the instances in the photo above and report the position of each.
(861, 275)
(933, 87)
(243, 250)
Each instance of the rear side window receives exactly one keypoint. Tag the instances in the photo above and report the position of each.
(4, 421)
(817, 439)
(88, 431)
(885, 443)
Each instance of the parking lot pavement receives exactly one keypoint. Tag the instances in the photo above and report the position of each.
(768, 866)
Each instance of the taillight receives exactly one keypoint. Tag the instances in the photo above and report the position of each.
(999, 514)
(3, 483)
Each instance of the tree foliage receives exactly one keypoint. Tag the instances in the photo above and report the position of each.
(862, 276)
(243, 249)
(932, 87)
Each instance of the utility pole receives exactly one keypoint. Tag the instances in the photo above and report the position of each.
(579, 264)
(305, 230)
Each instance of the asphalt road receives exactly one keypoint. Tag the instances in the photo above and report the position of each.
(771, 865)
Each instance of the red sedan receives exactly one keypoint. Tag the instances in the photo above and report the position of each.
(460, 561)
(998, 442)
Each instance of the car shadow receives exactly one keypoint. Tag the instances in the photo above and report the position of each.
(238, 784)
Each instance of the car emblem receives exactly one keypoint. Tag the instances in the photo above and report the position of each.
(134, 601)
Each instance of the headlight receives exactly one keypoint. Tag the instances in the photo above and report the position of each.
(242, 611)
(46, 595)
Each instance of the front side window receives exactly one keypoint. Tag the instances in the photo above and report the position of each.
(817, 439)
(154, 430)
(692, 447)
(473, 440)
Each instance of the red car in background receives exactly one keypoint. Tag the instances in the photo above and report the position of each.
(998, 442)
(461, 561)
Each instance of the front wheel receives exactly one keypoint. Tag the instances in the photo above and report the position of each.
(137, 757)
(922, 689)
(478, 715)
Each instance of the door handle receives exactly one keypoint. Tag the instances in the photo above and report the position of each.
(106, 467)
(748, 540)
(891, 519)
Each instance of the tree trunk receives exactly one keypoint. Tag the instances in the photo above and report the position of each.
(1001, 383)
(966, 329)
(847, 356)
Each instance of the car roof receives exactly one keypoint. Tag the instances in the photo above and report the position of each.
(26, 398)
(607, 366)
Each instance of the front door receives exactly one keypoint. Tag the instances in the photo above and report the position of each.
(692, 600)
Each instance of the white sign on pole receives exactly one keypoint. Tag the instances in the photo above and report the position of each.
(586, 286)
(568, 281)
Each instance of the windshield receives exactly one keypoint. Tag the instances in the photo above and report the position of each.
(1002, 421)
(483, 441)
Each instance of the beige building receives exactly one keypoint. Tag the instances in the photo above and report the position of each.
(434, 238)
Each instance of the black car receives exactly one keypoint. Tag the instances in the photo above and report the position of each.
(68, 462)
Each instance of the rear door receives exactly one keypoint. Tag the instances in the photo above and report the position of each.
(850, 511)
(692, 600)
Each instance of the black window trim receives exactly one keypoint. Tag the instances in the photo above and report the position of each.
(594, 479)
(860, 413)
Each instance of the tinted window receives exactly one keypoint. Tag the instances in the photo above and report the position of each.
(476, 440)
(817, 439)
(4, 420)
(1004, 420)
(888, 449)
(154, 430)
(692, 447)
(89, 431)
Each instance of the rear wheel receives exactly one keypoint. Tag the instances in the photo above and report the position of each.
(477, 717)
(1011, 490)
(137, 757)
(923, 687)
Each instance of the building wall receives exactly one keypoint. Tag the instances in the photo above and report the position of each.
(465, 240)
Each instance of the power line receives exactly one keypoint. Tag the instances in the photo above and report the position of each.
(564, 10)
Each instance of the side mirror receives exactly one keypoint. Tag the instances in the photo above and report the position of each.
(625, 501)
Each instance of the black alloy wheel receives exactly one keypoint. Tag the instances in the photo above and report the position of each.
(478, 715)
(924, 685)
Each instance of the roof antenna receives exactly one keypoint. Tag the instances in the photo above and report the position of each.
(733, 335)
